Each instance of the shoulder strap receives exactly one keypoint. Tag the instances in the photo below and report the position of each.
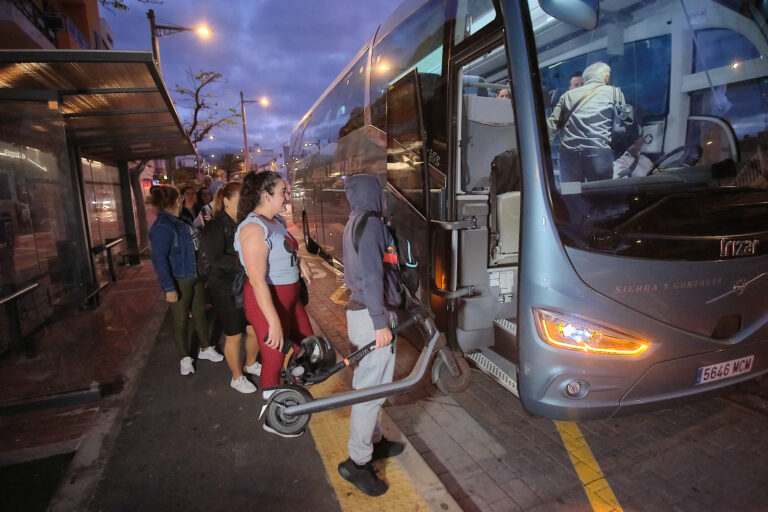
(359, 228)
(584, 98)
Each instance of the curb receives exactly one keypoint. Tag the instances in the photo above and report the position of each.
(84, 472)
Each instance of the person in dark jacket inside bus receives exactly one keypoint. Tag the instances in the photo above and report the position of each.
(370, 315)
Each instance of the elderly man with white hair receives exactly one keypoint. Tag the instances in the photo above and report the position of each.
(584, 119)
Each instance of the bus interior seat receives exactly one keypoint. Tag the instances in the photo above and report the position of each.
(508, 221)
(488, 129)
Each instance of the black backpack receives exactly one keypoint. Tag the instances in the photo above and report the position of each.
(406, 272)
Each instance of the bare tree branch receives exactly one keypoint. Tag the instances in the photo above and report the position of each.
(206, 113)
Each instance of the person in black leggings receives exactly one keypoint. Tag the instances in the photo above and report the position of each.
(218, 242)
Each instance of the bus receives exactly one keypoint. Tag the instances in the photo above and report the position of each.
(587, 297)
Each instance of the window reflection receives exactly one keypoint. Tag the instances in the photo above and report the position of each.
(40, 240)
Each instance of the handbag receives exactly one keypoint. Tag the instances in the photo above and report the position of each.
(624, 130)
(237, 286)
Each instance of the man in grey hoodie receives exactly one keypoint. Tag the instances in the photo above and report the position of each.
(370, 315)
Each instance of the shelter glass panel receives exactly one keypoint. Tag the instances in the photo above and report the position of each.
(40, 239)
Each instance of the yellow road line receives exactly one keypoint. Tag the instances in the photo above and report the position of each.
(330, 430)
(596, 487)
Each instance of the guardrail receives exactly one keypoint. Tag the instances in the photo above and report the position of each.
(88, 301)
(107, 246)
(17, 341)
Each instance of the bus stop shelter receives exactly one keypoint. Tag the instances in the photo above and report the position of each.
(70, 123)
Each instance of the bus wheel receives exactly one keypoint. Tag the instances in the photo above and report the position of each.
(278, 420)
(446, 382)
(311, 246)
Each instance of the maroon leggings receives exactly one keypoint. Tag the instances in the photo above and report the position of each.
(293, 319)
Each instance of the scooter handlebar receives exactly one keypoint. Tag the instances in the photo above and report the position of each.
(418, 314)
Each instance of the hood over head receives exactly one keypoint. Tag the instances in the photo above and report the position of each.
(364, 193)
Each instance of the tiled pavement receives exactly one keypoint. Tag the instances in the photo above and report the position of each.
(86, 349)
(487, 451)
(492, 455)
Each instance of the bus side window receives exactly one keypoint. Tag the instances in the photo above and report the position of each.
(394, 55)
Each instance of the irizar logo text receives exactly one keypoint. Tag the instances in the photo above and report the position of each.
(729, 248)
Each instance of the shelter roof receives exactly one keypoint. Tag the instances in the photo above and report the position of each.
(114, 104)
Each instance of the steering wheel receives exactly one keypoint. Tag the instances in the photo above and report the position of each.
(667, 155)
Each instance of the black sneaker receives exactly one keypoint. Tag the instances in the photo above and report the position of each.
(363, 477)
(386, 448)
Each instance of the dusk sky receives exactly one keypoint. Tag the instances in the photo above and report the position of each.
(286, 50)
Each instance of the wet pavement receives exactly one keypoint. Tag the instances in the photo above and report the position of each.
(64, 401)
(492, 455)
(150, 439)
(193, 443)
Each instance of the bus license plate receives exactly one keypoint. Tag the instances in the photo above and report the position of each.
(724, 370)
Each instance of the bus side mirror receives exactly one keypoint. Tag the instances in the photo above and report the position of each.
(580, 13)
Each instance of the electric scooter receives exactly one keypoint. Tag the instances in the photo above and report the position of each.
(289, 407)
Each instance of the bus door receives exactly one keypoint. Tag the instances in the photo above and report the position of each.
(487, 188)
(407, 177)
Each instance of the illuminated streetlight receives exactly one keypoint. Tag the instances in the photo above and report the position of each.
(264, 102)
(159, 31)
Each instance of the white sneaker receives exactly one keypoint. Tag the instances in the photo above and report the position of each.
(254, 369)
(210, 354)
(242, 385)
(186, 366)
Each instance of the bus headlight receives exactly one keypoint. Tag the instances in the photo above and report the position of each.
(573, 333)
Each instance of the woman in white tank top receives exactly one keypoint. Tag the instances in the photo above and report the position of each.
(269, 254)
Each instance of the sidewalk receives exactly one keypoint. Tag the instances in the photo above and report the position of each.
(71, 417)
(49, 403)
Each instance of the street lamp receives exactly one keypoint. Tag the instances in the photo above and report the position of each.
(159, 31)
(264, 102)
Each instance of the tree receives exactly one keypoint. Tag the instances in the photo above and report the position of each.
(206, 113)
(230, 163)
(134, 172)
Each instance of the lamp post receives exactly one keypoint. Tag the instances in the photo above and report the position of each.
(159, 31)
(264, 102)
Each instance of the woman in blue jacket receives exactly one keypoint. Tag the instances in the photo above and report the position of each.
(173, 256)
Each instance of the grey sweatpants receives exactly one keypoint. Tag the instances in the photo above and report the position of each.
(378, 367)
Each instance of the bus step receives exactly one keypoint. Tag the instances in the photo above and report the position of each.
(503, 371)
(505, 338)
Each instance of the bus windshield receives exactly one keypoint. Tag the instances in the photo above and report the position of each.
(657, 124)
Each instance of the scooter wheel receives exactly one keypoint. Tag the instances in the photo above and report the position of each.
(448, 383)
(276, 416)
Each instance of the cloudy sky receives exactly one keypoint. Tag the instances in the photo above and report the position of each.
(286, 50)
